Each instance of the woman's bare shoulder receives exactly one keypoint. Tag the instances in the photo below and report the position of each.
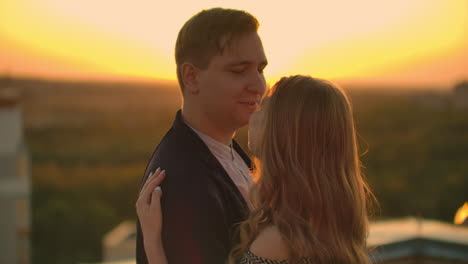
(269, 244)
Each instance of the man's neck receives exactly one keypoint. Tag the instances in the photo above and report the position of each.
(197, 121)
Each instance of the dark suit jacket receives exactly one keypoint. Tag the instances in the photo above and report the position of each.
(200, 202)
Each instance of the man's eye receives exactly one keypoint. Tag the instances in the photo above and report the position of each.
(238, 71)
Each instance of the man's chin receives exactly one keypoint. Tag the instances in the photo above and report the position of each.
(242, 121)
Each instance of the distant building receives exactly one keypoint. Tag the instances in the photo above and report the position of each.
(421, 241)
(460, 95)
(14, 183)
(397, 241)
(119, 244)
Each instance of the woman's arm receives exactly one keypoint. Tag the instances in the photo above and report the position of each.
(148, 208)
(155, 252)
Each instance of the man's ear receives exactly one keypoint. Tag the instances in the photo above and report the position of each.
(189, 74)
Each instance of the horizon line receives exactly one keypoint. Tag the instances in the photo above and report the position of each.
(103, 79)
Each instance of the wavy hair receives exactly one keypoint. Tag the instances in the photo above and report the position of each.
(309, 180)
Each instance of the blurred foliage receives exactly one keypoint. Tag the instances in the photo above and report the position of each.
(90, 144)
(417, 152)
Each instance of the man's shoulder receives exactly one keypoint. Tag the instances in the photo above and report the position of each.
(182, 154)
(179, 147)
(170, 144)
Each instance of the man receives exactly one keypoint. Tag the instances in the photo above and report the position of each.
(220, 62)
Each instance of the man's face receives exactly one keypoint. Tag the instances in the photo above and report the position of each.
(256, 125)
(231, 87)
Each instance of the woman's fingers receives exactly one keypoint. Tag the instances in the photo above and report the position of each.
(155, 196)
(144, 196)
(150, 185)
(150, 177)
(154, 186)
(155, 205)
(158, 180)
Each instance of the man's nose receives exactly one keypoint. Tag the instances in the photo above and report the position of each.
(257, 84)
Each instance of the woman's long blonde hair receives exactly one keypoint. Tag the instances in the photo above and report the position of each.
(309, 183)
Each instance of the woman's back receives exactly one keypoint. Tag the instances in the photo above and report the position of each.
(268, 247)
(269, 244)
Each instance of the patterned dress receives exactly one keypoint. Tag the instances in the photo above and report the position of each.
(251, 258)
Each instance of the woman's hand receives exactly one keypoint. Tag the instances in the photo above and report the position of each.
(148, 208)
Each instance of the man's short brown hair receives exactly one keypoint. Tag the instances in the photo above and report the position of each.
(207, 33)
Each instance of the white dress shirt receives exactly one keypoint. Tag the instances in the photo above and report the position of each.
(232, 163)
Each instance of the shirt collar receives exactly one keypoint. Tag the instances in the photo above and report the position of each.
(219, 149)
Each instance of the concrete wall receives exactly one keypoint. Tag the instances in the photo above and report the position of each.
(15, 189)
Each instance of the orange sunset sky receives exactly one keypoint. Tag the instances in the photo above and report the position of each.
(410, 42)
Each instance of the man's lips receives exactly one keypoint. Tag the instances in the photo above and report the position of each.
(252, 105)
(251, 102)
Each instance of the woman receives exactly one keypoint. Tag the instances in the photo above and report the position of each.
(310, 198)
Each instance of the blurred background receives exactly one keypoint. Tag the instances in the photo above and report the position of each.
(88, 88)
